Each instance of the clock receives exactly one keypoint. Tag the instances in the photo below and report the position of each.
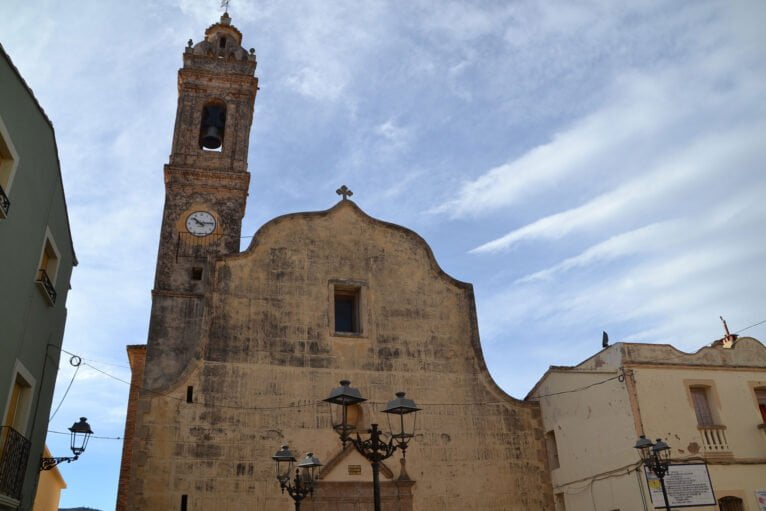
(200, 223)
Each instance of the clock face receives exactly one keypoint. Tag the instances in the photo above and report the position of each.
(200, 223)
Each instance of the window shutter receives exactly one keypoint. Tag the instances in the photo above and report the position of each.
(702, 407)
(760, 394)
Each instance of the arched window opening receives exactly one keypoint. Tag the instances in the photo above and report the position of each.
(212, 126)
(222, 42)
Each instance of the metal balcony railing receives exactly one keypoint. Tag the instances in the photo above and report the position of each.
(47, 286)
(5, 204)
(14, 454)
(714, 438)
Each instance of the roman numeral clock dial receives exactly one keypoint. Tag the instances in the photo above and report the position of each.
(200, 223)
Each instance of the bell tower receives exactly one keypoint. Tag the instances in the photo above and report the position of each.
(206, 185)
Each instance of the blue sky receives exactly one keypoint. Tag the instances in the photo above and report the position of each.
(587, 165)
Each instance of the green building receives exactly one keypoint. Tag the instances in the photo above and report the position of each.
(36, 260)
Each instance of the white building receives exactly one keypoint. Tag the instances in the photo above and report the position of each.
(709, 406)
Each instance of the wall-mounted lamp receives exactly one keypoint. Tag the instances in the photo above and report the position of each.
(80, 434)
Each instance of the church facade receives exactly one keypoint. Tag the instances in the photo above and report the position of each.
(243, 346)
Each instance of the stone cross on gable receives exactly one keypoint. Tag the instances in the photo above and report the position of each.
(345, 192)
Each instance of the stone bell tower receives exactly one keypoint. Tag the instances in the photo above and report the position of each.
(206, 185)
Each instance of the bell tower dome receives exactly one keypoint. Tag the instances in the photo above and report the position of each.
(216, 92)
(206, 186)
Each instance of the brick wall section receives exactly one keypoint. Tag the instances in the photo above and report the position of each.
(137, 357)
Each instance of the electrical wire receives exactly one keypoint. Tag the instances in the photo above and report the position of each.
(93, 360)
(92, 436)
(617, 472)
(306, 404)
(76, 362)
(620, 377)
(749, 327)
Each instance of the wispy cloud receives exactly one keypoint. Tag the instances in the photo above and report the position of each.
(603, 159)
(700, 164)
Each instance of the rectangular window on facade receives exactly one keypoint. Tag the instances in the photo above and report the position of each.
(8, 163)
(16, 414)
(552, 448)
(701, 401)
(48, 268)
(14, 404)
(347, 317)
(760, 395)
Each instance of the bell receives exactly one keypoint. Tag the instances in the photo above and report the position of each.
(211, 138)
(213, 122)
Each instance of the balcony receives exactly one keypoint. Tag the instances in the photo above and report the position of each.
(46, 286)
(14, 454)
(714, 439)
(5, 204)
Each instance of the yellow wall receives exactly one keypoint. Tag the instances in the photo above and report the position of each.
(49, 488)
(667, 412)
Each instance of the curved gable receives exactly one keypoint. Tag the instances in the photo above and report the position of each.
(349, 206)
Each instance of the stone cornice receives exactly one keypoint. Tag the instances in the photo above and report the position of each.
(175, 294)
(206, 179)
(192, 75)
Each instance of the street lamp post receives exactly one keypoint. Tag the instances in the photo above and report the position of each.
(656, 456)
(374, 448)
(302, 484)
(80, 434)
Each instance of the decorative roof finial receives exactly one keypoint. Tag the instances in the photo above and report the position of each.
(345, 192)
(225, 6)
(728, 339)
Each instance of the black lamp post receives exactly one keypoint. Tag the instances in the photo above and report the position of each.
(374, 449)
(80, 434)
(302, 485)
(657, 458)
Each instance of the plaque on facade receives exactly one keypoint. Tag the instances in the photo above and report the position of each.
(688, 485)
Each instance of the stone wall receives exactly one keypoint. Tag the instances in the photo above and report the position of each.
(269, 354)
(137, 357)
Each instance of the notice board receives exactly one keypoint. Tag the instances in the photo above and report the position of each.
(688, 485)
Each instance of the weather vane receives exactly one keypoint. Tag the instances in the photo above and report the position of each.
(225, 5)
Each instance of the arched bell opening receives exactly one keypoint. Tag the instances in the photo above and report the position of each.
(212, 126)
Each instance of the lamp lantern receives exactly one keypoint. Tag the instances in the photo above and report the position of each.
(80, 434)
(406, 409)
(302, 484)
(644, 446)
(661, 450)
(656, 457)
(284, 463)
(308, 467)
(343, 396)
